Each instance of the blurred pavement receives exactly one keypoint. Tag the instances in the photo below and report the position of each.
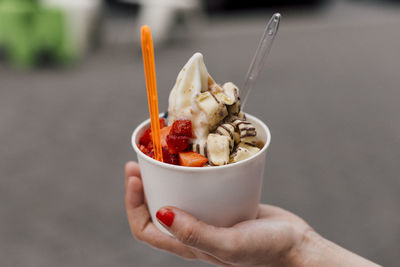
(330, 93)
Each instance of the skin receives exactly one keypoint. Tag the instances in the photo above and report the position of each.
(276, 238)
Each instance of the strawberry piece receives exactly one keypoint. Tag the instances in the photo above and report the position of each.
(149, 146)
(162, 123)
(164, 133)
(150, 153)
(147, 150)
(167, 157)
(192, 159)
(146, 138)
(170, 158)
(182, 127)
(177, 143)
(142, 148)
(171, 143)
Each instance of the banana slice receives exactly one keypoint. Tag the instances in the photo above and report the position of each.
(224, 98)
(232, 92)
(227, 129)
(246, 130)
(215, 88)
(236, 136)
(234, 109)
(241, 116)
(228, 93)
(247, 133)
(232, 121)
(214, 110)
(218, 149)
(199, 148)
(243, 151)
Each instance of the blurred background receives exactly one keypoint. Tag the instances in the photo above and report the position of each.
(72, 90)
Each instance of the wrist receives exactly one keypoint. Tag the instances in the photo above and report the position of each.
(308, 247)
(314, 250)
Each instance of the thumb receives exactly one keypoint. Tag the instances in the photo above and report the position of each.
(218, 241)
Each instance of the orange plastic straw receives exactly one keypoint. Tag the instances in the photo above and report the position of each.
(151, 84)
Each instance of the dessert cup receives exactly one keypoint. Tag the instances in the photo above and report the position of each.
(218, 195)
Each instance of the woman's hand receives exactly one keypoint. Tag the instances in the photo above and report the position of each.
(271, 238)
(276, 238)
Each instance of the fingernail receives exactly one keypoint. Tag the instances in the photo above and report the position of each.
(165, 216)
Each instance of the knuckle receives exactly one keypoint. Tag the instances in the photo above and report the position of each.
(189, 236)
(139, 237)
(137, 234)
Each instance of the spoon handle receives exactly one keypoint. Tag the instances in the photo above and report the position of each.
(261, 54)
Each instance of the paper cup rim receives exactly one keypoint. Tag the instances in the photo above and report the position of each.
(199, 169)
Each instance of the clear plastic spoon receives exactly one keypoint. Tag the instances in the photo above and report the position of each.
(261, 54)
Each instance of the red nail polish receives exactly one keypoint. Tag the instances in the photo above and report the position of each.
(165, 216)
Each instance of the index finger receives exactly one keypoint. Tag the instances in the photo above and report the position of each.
(131, 169)
(141, 225)
(221, 242)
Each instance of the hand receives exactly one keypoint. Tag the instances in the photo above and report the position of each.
(276, 238)
(268, 239)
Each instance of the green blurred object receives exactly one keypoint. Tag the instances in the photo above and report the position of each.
(30, 31)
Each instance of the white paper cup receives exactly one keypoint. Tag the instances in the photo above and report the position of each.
(219, 195)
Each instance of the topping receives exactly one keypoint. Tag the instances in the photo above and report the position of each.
(198, 148)
(218, 149)
(247, 132)
(164, 132)
(242, 116)
(146, 137)
(242, 152)
(214, 87)
(234, 109)
(170, 158)
(228, 130)
(231, 91)
(192, 159)
(177, 143)
(162, 123)
(182, 127)
(224, 98)
(205, 121)
(167, 156)
(142, 148)
(229, 95)
(215, 111)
